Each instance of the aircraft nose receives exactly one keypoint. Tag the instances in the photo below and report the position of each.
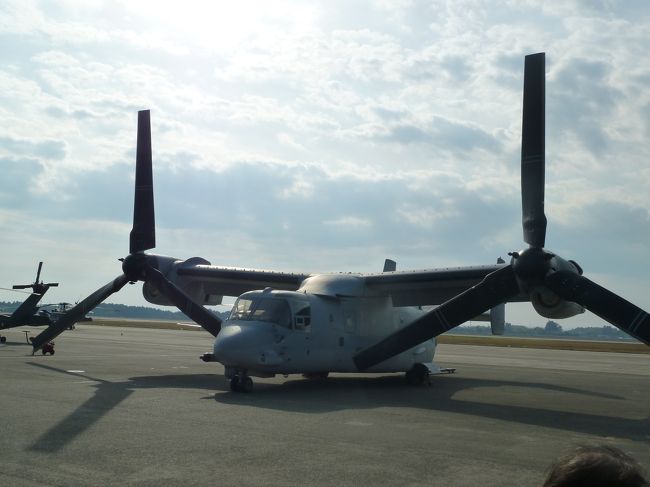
(242, 345)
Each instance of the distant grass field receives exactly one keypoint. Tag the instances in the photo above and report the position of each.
(494, 341)
(558, 343)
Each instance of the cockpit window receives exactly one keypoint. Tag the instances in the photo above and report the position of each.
(273, 310)
(302, 316)
(289, 312)
(241, 309)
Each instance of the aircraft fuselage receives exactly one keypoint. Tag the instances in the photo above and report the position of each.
(286, 332)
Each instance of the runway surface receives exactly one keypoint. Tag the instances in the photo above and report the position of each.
(126, 406)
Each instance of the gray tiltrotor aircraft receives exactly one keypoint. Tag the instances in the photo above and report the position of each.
(25, 314)
(284, 323)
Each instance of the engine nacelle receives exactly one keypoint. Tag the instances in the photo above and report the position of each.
(550, 305)
(198, 291)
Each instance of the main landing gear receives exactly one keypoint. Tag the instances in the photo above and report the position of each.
(241, 383)
(421, 373)
(418, 375)
(3, 339)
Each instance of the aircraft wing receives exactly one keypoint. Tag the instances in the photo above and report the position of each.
(407, 288)
(429, 286)
(232, 281)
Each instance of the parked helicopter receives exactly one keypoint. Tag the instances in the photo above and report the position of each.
(26, 313)
(285, 323)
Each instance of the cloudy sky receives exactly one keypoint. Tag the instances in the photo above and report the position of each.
(321, 135)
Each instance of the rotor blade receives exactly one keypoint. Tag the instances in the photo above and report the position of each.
(602, 302)
(143, 234)
(182, 301)
(494, 289)
(15, 288)
(38, 273)
(532, 152)
(78, 311)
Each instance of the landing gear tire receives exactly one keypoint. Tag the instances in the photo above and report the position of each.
(246, 385)
(241, 384)
(418, 375)
(3, 339)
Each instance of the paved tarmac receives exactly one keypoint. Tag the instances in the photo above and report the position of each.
(126, 406)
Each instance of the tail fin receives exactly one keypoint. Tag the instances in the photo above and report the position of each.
(498, 319)
(390, 265)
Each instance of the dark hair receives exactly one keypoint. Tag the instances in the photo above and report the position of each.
(595, 466)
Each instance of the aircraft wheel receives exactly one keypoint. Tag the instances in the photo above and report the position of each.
(247, 385)
(411, 378)
(234, 384)
(3, 339)
(417, 375)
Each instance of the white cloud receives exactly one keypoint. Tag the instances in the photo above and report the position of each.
(352, 222)
(321, 135)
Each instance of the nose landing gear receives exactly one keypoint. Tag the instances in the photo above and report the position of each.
(241, 383)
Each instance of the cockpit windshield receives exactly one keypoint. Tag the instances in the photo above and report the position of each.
(272, 309)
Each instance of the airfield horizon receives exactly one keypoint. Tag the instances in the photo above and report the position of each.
(591, 345)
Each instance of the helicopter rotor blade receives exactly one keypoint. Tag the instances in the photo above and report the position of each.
(183, 302)
(602, 302)
(494, 289)
(38, 272)
(37, 287)
(532, 151)
(138, 266)
(143, 233)
(78, 311)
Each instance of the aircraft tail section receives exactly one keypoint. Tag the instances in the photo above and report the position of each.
(390, 265)
(24, 312)
(497, 318)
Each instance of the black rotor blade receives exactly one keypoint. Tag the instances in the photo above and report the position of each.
(532, 151)
(78, 311)
(38, 273)
(143, 234)
(602, 302)
(494, 289)
(182, 301)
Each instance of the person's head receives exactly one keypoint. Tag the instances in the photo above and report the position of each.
(595, 466)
